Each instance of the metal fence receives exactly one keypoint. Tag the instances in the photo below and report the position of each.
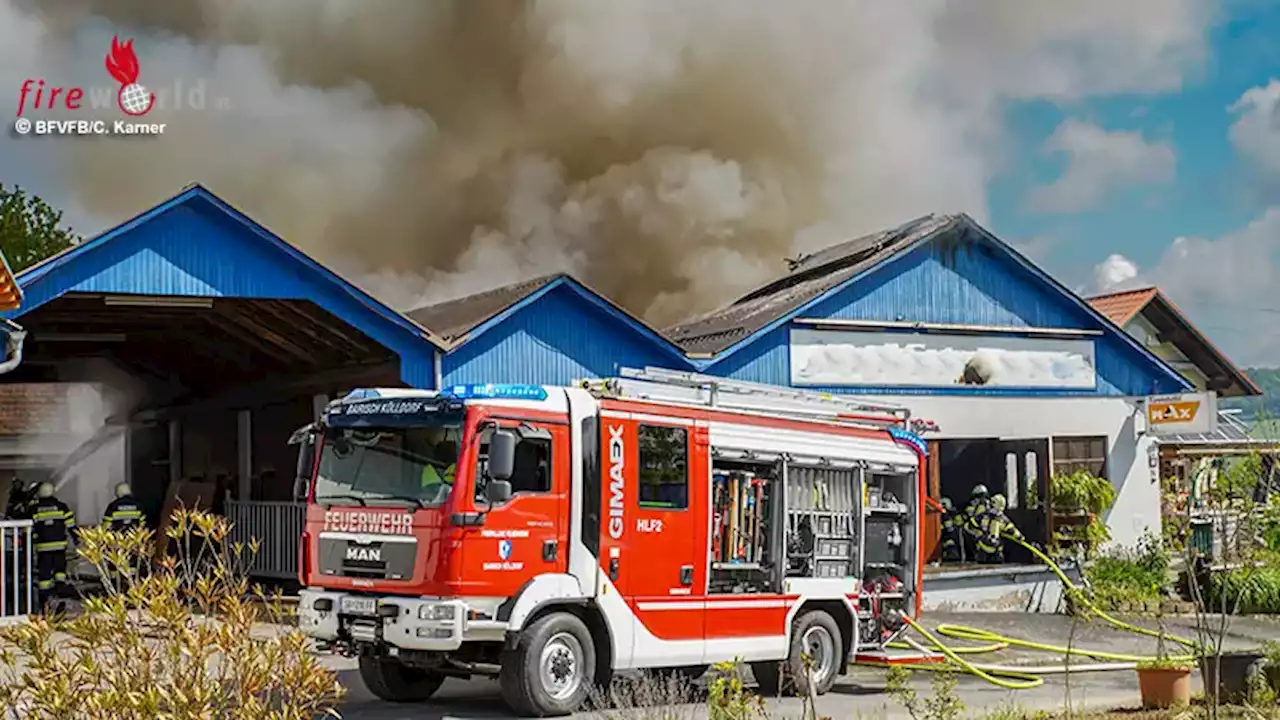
(17, 570)
(277, 526)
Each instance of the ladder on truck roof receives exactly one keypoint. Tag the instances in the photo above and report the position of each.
(659, 385)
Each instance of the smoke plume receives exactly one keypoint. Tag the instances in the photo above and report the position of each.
(669, 153)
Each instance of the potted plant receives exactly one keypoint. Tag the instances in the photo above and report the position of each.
(1077, 499)
(1164, 682)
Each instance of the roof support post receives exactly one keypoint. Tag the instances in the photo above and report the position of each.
(244, 455)
(438, 363)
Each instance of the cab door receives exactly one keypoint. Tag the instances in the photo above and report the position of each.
(654, 535)
(528, 534)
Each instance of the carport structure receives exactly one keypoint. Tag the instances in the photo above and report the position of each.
(227, 338)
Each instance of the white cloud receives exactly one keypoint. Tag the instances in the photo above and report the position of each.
(1098, 162)
(1227, 285)
(1114, 273)
(1036, 249)
(1256, 131)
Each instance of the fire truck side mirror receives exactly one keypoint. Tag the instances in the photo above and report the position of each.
(502, 455)
(306, 461)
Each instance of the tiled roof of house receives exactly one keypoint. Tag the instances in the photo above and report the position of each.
(1120, 307)
(33, 408)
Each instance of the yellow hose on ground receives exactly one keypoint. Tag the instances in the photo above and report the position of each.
(1017, 679)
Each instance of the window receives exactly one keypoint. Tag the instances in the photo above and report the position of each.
(664, 467)
(1080, 453)
(379, 464)
(1011, 480)
(532, 470)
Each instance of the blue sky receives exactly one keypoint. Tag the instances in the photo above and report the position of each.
(1216, 190)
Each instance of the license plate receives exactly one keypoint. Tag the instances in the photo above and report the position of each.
(360, 605)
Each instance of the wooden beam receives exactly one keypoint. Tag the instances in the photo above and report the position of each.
(296, 307)
(302, 324)
(265, 333)
(238, 334)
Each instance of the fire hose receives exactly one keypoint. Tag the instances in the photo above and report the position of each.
(1025, 678)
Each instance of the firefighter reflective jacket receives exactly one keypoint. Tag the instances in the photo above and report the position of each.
(53, 520)
(123, 514)
(994, 526)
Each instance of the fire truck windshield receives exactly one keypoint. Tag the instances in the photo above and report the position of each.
(402, 464)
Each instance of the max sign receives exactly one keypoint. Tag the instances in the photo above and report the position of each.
(1185, 413)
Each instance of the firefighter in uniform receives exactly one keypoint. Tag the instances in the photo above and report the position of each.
(971, 520)
(995, 526)
(53, 524)
(952, 533)
(443, 451)
(123, 513)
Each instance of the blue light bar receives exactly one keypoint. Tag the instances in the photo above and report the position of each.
(491, 391)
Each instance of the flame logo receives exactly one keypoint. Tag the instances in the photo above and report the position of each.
(122, 64)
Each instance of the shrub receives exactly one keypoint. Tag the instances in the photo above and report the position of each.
(182, 640)
(1138, 574)
(1256, 589)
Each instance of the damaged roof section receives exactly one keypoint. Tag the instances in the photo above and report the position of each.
(810, 276)
(1175, 328)
(454, 319)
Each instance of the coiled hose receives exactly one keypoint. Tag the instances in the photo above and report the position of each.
(1019, 678)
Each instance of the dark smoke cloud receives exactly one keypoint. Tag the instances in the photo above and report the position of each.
(668, 153)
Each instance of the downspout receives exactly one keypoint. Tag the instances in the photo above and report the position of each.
(15, 336)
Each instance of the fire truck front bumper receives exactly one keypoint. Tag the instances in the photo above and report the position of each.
(408, 623)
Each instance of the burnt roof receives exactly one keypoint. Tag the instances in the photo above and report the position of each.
(810, 276)
(455, 318)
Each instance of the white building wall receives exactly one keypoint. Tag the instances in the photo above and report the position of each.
(1137, 508)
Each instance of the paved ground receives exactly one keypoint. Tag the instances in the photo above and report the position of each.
(862, 693)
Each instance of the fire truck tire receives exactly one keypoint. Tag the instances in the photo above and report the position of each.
(551, 669)
(814, 633)
(391, 681)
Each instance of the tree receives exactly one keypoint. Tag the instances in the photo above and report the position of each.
(29, 229)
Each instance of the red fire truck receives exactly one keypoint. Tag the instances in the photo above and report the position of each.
(659, 521)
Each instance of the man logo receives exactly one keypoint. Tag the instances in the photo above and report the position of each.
(363, 554)
(504, 549)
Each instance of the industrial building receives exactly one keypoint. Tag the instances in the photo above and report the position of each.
(227, 338)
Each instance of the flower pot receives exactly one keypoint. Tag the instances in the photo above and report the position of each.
(1231, 685)
(1163, 688)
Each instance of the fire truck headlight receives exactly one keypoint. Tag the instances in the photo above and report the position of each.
(437, 612)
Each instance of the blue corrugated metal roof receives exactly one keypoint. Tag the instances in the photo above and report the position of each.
(885, 262)
(196, 244)
(594, 299)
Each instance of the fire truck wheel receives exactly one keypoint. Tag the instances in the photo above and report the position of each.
(550, 670)
(816, 635)
(393, 682)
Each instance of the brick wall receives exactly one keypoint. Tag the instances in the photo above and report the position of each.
(34, 408)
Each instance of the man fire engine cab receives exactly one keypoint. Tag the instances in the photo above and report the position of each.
(564, 534)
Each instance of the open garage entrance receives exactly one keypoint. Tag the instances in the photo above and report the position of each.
(199, 396)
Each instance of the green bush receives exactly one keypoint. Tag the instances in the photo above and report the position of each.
(1256, 589)
(1129, 575)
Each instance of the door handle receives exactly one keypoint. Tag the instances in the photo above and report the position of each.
(686, 575)
(549, 550)
(613, 569)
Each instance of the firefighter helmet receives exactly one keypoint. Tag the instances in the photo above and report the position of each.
(998, 502)
(946, 504)
(123, 489)
(45, 490)
(979, 490)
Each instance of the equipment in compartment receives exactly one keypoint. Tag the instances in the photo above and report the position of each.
(822, 507)
(743, 505)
